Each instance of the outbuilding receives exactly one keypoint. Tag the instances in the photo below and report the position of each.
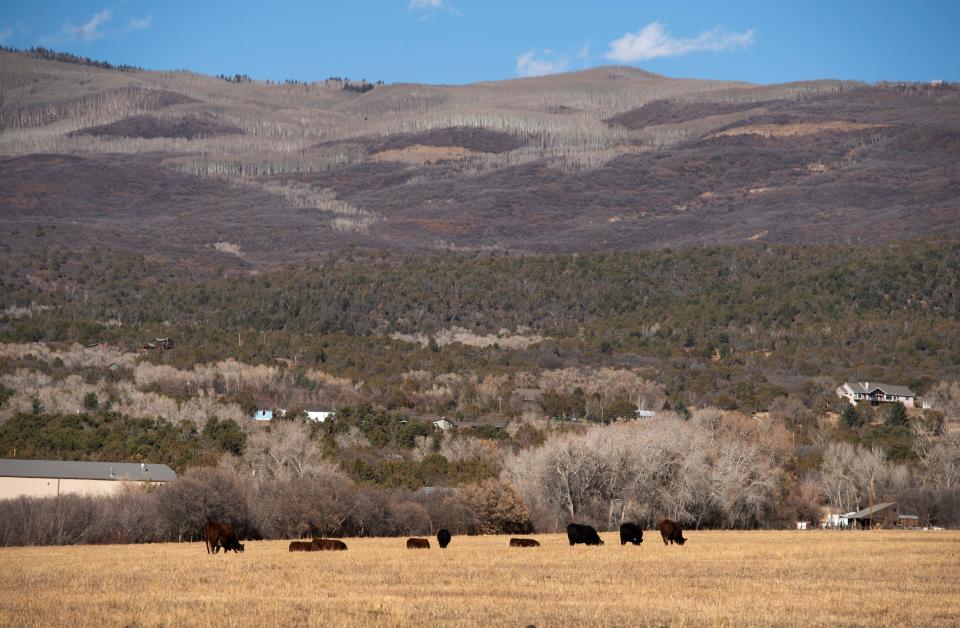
(319, 415)
(882, 515)
(51, 478)
(263, 415)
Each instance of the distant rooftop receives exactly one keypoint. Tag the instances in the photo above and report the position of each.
(866, 512)
(134, 471)
(890, 389)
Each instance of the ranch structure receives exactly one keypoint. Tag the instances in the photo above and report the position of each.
(51, 478)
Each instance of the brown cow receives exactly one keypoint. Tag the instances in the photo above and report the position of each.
(671, 532)
(418, 544)
(332, 545)
(524, 543)
(301, 546)
(217, 535)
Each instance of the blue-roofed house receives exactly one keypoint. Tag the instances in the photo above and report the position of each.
(263, 415)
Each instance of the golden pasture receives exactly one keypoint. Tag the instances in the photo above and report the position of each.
(717, 578)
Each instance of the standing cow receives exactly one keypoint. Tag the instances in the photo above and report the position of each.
(671, 532)
(443, 538)
(418, 544)
(300, 546)
(579, 533)
(217, 535)
(631, 533)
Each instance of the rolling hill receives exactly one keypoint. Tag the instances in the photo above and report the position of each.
(253, 175)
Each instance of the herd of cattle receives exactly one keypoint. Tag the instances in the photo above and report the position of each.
(221, 535)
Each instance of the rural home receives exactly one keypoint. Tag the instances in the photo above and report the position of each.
(159, 345)
(51, 478)
(443, 425)
(318, 415)
(263, 415)
(876, 393)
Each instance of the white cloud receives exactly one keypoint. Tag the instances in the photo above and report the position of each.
(653, 41)
(547, 62)
(5, 34)
(140, 23)
(432, 6)
(91, 29)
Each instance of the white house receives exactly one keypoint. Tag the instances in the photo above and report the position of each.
(876, 393)
(318, 415)
(443, 425)
(837, 520)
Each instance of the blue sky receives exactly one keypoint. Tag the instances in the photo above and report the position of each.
(460, 41)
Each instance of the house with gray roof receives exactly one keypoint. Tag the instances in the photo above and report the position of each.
(876, 393)
(51, 478)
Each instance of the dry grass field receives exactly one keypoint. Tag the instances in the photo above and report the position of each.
(725, 578)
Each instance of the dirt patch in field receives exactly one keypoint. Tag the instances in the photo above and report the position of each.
(420, 154)
(443, 227)
(798, 129)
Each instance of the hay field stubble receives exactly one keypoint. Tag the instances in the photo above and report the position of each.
(725, 578)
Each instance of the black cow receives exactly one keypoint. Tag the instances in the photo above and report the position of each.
(300, 546)
(443, 538)
(217, 535)
(631, 533)
(671, 532)
(579, 533)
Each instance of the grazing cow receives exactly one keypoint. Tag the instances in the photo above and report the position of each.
(328, 545)
(671, 532)
(217, 535)
(301, 546)
(579, 533)
(631, 533)
(443, 538)
(524, 543)
(418, 544)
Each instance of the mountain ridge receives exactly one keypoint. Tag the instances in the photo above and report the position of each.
(253, 174)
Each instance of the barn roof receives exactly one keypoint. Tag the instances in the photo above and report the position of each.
(866, 512)
(135, 471)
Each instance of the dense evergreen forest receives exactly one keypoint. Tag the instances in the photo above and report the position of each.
(728, 314)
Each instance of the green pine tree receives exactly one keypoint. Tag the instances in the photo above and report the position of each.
(898, 416)
(851, 417)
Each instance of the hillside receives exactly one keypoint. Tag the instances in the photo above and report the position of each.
(251, 175)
